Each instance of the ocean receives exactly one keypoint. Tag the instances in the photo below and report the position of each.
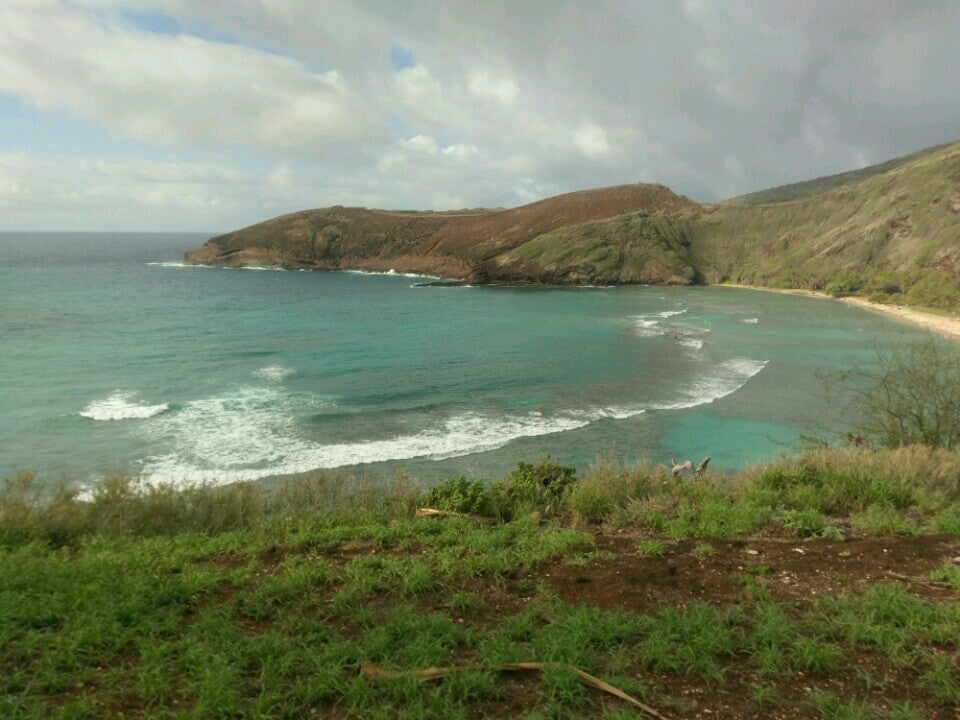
(116, 358)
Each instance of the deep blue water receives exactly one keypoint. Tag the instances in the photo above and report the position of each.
(115, 358)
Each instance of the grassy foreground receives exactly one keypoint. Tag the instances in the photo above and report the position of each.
(821, 587)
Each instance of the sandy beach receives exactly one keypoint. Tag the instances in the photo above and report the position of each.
(942, 324)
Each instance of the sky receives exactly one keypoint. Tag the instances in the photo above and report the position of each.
(208, 115)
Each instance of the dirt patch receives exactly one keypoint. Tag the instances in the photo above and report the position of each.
(796, 570)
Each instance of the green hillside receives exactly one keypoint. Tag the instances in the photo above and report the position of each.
(894, 236)
(820, 185)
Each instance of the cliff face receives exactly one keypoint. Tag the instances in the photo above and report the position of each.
(893, 229)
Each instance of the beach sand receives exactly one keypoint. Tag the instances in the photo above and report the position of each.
(945, 325)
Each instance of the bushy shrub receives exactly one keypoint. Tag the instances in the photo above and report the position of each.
(529, 488)
(845, 282)
(907, 395)
(935, 289)
(607, 487)
(458, 494)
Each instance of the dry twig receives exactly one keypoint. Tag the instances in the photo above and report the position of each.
(372, 672)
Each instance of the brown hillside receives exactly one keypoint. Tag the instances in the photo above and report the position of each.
(454, 243)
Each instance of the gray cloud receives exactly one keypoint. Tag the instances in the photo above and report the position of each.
(504, 102)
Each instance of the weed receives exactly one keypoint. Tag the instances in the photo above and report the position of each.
(763, 696)
(703, 550)
(651, 548)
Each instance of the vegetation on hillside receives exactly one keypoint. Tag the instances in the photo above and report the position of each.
(818, 186)
(892, 237)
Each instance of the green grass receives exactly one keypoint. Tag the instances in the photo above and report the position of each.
(254, 602)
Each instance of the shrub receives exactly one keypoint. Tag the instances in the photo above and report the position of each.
(540, 487)
(458, 494)
(908, 395)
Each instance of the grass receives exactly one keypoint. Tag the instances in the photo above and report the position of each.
(263, 602)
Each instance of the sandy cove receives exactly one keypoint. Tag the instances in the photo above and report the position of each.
(945, 325)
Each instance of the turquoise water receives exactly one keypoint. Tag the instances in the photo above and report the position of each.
(116, 358)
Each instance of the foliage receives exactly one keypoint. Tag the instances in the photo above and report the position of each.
(908, 395)
(533, 488)
(458, 494)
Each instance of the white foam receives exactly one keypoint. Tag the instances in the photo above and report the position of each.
(253, 434)
(648, 324)
(256, 267)
(171, 263)
(394, 273)
(694, 343)
(750, 321)
(121, 406)
(273, 373)
(725, 379)
(646, 327)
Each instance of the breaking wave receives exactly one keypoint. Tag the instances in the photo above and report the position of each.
(255, 432)
(121, 406)
(393, 273)
(273, 373)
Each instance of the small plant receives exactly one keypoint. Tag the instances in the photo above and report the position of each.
(758, 569)
(831, 708)
(703, 550)
(764, 696)
(949, 574)
(651, 548)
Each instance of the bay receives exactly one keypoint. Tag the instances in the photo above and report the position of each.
(116, 358)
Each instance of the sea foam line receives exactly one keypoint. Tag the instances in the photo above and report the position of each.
(393, 273)
(253, 433)
(121, 406)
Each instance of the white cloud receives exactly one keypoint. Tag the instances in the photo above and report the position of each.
(461, 151)
(422, 144)
(484, 84)
(178, 91)
(280, 177)
(591, 140)
(417, 84)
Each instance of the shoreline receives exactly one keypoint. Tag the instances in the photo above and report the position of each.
(945, 326)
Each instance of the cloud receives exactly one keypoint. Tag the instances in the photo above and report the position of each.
(484, 84)
(591, 140)
(474, 103)
(179, 91)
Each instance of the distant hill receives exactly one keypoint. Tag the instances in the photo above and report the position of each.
(891, 231)
(820, 185)
(458, 244)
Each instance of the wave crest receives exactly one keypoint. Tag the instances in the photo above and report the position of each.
(121, 406)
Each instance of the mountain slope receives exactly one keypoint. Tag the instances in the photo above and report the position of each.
(820, 185)
(891, 231)
(454, 243)
(894, 235)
